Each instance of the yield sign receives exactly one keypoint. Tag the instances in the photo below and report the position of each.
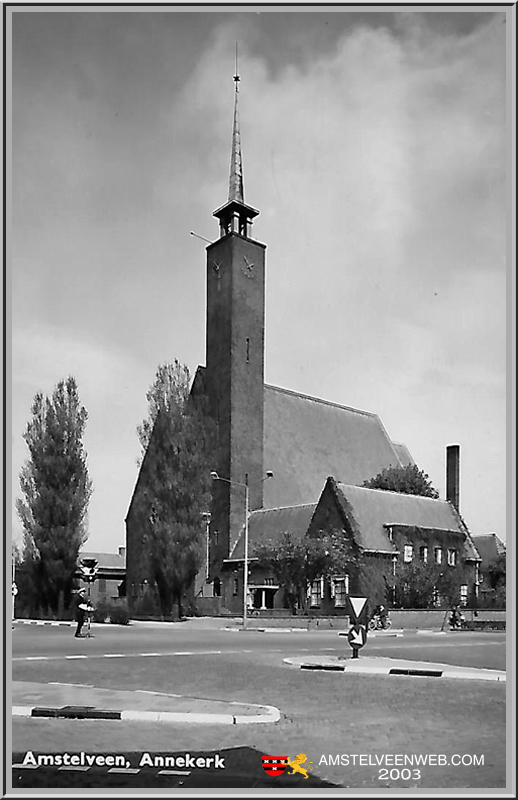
(357, 636)
(357, 605)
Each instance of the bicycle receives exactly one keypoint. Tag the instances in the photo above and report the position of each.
(378, 624)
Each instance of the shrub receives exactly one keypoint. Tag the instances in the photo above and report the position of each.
(119, 615)
(108, 612)
(102, 611)
(147, 605)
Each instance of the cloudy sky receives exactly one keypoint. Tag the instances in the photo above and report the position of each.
(374, 147)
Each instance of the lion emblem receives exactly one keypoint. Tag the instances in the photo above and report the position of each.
(296, 765)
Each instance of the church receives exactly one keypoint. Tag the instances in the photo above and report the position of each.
(320, 454)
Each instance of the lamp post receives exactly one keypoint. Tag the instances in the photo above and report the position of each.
(206, 518)
(216, 477)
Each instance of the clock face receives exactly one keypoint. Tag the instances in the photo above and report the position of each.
(248, 268)
(216, 269)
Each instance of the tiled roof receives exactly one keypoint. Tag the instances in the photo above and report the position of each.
(371, 510)
(374, 508)
(106, 560)
(489, 546)
(403, 453)
(271, 524)
(307, 439)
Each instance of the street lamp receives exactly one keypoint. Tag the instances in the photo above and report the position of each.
(216, 477)
(206, 518)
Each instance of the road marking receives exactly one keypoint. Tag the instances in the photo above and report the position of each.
(79, 685)
(172, 772)
(376, 646)
(73, 769)
(124, 771)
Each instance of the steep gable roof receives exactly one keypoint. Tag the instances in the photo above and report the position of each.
(372, 509)
(403, 454)
(271, 524)
(307, 439)
(489, 547)
(369, 511)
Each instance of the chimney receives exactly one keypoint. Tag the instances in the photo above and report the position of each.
(122, 552)
(453, 474)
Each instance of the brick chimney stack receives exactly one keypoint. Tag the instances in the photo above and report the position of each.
(453, 474)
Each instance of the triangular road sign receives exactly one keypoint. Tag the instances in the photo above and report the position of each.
(357, 604)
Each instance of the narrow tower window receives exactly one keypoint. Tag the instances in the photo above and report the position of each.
(248, 351)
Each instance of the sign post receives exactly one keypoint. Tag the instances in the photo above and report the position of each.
(357, 636)
(89, 571)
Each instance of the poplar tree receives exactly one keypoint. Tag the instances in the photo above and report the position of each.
(56, 491)
(177, 438)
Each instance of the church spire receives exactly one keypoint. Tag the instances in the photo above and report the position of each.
(235, 216)
(235, 187)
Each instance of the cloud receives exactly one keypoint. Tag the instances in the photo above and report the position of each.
(376, 157)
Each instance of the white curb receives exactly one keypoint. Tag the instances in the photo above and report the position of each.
(272, 715)
(419, 671)
(22, 711)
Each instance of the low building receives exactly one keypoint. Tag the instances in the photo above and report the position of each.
(383, 529)
(492, 586)
(110, 582)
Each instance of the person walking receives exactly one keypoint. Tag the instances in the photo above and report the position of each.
(81, 608)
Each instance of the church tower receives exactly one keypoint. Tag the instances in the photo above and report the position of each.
(235, 355)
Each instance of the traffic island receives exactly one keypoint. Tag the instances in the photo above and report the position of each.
(370, 665)
(67, 701)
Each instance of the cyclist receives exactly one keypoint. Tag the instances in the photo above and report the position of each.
(457, 618)
(381, 612)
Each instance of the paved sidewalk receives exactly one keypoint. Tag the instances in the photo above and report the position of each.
(86, 702)
(235, 624)
(393, 666)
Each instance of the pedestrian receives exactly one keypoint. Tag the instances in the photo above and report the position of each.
(81, 608)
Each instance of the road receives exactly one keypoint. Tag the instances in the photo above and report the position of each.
(323, 715)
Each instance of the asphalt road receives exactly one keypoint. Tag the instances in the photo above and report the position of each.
(484, 650)
(323, 715)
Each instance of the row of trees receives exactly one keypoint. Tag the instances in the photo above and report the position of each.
(56, 491)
